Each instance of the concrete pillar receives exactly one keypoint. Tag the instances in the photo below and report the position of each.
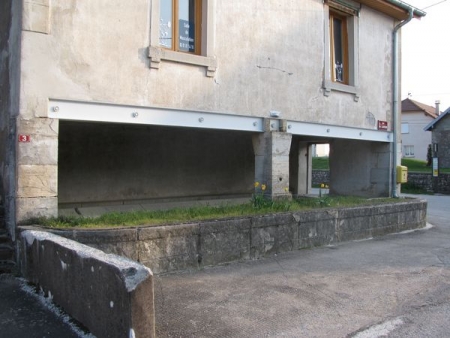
(272, 161)
(360, 168)
(300, 168)
(37, 168)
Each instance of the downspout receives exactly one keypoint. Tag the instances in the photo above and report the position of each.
(395, 101)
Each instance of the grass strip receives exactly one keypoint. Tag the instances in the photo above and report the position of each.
(199, 213)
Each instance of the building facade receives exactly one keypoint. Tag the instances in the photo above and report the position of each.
(113, 102)
(440, 131)
(415, 116)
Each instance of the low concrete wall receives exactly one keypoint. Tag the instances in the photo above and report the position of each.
(112, 296)
(177, 247)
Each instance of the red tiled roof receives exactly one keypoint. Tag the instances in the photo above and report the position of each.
(411, 105)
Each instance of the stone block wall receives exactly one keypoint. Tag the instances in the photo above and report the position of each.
(320, 176)
(190, 246)
(441, 136)
(422, 180)
(112, 296)
(440, 184)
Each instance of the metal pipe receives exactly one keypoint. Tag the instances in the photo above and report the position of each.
(417, 12)
(395, 100)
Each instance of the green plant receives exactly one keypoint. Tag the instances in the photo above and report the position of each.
(429, 155)
(320, 163)
(259, 200)
(323, 201)
(322, 186)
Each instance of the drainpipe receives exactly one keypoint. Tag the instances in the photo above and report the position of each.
(395, 100)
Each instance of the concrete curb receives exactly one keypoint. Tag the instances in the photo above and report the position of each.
(112, 296)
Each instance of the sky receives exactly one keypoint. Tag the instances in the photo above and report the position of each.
(426, 54)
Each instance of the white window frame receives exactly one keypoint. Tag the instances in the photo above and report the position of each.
(157, 53)
(408, 151)
(353, 54)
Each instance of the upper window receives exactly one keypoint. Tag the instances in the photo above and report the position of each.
(180, 25)
(341, 47)
(182, 32)
(405, 128)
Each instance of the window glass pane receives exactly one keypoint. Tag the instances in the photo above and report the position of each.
(165, 23)
(405, 128)
(186, 22)
(338, 52)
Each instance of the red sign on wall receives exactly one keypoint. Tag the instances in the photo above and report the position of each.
(382, 125)
(24, 138)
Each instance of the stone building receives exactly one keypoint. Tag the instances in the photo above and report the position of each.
(114, 101)
(440, 137)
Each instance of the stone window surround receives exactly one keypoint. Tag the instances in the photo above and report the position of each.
(353, 44)
(206, 59)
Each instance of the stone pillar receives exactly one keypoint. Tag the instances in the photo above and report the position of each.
(272, 160)
(37, 168)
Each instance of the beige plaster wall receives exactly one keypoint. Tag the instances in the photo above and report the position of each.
(270, 57)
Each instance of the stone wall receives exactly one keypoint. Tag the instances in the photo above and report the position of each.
(10, 40)
(429, 183)
(421, 180)
(443, 184)
(320, 176)
(189, 246)
(112, 296)
(441, 136)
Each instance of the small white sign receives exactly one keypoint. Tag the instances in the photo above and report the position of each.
(435, 167)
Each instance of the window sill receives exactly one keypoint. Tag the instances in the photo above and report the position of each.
(157, 54)
(329, 86)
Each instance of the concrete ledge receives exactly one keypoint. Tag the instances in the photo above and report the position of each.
(112, 296)
(190, 246)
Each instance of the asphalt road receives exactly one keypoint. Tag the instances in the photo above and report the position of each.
(394, 286)
(24, 314)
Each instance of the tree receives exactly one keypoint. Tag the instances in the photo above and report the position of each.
(429, 155)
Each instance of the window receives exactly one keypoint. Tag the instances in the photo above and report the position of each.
(180, 25)
(339, 47)
(182, 32)
(408, 151)
(341, 39)
(405, 128)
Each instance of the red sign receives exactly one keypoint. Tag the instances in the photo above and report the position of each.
(24, 138)
(382, 125)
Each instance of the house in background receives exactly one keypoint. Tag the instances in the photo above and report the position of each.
(120, 102)
(415, 116)
(320, 150)
(440, 131)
